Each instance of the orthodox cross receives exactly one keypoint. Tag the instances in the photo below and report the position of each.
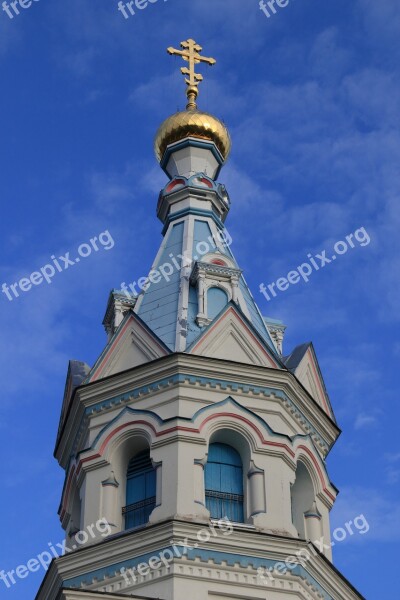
(191, 53)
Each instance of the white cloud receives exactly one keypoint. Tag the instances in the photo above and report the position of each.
(392, 458)
(147, 96)
(111, 191)
(365, 421)
(392, 476)
(81, 61)
(10, 36)
(329, 59)
(382, 25)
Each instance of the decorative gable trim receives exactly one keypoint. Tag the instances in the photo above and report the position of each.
(303, 363)
(149, 345)
(231, 323)
(76, 375)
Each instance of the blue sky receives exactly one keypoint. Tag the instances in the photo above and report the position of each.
(311, 98)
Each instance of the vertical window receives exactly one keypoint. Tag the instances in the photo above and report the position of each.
(216, 300)
(140, 490)
(224, 483)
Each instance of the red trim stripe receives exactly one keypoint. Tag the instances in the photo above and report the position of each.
(195, 430)
(318, 382)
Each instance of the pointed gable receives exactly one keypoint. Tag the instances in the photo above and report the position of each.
(254, 312)
(232, 337)
(132, 344)
(303, 363)
(76, 375)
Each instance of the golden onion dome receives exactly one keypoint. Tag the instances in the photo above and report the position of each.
(192, 123)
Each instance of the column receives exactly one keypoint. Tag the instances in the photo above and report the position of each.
(109, 501)
(256, 490)
(199, 491)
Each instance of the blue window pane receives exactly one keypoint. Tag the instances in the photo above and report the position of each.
(216, 300)
(140, 490)
(151, 483)
(136, 489)
(224, 483)
(222, 453)
(213, 476)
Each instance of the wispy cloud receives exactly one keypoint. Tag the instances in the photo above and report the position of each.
(10, 36)
(392, 469)
(365, 421)
(392, 458)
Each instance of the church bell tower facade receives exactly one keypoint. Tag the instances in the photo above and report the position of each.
(194, 450)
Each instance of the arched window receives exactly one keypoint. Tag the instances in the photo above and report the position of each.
(303, 496)
(140, 490)
(216, 300)
(224, 483)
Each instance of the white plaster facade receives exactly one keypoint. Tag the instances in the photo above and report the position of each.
(176, 405)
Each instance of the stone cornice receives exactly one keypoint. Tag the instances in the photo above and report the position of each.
(72, 594)
(245, 547)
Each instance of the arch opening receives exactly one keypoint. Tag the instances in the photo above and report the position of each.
(140, 490)
(224, 483)
(303, 497)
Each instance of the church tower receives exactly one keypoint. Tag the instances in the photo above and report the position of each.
(194, 450)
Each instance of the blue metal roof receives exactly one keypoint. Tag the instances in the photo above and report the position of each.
(160, 308)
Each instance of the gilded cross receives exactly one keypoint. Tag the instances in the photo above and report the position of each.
(191, 53)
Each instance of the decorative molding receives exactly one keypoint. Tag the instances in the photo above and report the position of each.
(111, 481)
(252, 344)
(207, 383)
(92, 563)
(291, 448)
(203, 558)
(191, 211)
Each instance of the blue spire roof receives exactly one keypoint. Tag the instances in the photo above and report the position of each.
(161, 305)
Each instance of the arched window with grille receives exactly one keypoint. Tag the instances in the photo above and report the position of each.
(224, 483)
(140, 490)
